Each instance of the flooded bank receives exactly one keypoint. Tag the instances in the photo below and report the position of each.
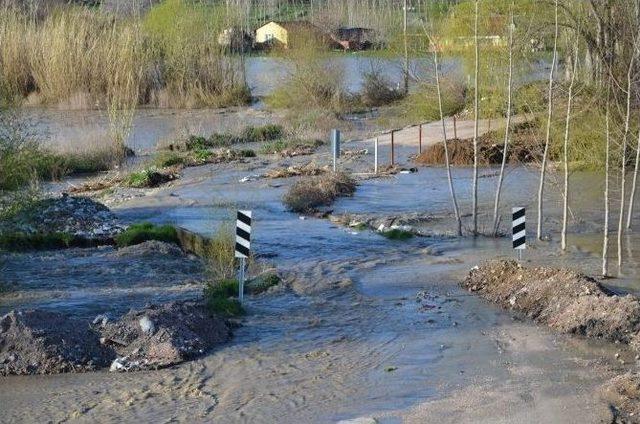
(362, 326)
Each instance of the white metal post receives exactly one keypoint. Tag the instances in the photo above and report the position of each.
(375, 156)
(241, 280)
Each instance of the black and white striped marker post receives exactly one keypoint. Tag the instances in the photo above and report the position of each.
(243, 247)
(519, 231)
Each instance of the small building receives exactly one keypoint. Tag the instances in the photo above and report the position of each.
(287, 34)
(353, 38)
(235, 39)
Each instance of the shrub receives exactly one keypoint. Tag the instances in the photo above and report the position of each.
(308, 194)
(139, 233)
(421, 105)
(377, 90)
(220, 298)
(219, 255)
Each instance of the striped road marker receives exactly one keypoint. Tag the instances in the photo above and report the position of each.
(243, 247)
(519, 231)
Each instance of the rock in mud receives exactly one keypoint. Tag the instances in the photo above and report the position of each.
(564, 300)
(160, 336)
(623, 393)
(42, 342)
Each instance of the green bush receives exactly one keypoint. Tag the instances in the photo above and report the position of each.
(139, 233)
(421, 105)
(220, 297)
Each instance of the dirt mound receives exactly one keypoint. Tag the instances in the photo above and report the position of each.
(41, 342)
(564, 300)
(623, 392)
(523, 148)
(160, 336)
(151, 248)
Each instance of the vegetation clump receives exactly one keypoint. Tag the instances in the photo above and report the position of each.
(221, 298)
(149, 178)
(308, 194)
(377, 90)
(139, 233)
(21, 241)
(250, 134)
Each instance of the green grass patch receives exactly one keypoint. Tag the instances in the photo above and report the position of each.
(18, 241)
(148, 178)
(250, 134)
(139, 233)
(278, 146)
(397, 234)
(221, 298)
(165, 159)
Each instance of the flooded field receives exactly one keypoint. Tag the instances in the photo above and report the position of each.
(363, 327)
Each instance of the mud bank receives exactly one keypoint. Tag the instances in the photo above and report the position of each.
(564, 300)
(45, 342)
(572, 303)
(623, 392)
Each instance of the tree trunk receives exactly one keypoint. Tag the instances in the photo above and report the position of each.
(406, 50)
(624, 161)
(548, 135)
(475, 128)
(605, 241)
(454, 199)
(633, 189)
(507, 129)
(565, 203)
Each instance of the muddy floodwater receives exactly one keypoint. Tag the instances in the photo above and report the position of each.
(363, 327)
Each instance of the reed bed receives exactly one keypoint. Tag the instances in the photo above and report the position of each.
(86, 58)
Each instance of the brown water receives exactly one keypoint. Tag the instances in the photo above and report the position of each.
(345, 337)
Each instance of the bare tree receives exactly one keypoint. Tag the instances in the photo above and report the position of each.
(454, 200)
(475, 126)
(545, 155)
(508, 125)
(623, 170)
(605, 240)
(565, 203)
(406, 48)
(634, 186)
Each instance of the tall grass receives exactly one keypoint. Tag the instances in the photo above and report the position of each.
(87, 58)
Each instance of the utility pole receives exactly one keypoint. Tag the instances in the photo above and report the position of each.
(406, 49)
